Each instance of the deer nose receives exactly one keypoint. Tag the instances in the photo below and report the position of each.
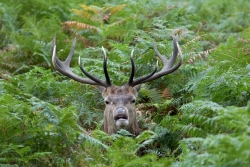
(120, 110)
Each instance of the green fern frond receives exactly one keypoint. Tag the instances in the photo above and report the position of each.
(193, 131)
(205, 116)
(92, 141)
(153, 95)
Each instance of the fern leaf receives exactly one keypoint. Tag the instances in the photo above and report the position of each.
(115, 9)
(193, 131)
(193, 41)
(79, 25)
(83, 14)
(202, 56)
(106, 17)
(93, 9)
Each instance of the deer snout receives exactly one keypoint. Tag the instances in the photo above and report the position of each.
(120, 110)
(120, 113)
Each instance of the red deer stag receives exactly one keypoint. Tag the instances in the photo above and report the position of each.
(119, 100)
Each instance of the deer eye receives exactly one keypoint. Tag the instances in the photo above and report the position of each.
(106, 102)
(133, 101)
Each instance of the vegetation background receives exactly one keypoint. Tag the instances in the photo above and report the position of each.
(197, 116)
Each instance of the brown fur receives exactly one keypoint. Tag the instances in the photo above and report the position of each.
(120, 97)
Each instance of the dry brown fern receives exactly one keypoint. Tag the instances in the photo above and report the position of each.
(85, 14)
(91, 8)
(97, 21)
(97, 14)
(166, 94)
(79, 25)
(193, 41)
(194, 55)
(201, 56)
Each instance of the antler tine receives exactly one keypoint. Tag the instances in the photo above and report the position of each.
(132, 82)
(167, 64)
(64, 68)
(108, 82)
(97, 80)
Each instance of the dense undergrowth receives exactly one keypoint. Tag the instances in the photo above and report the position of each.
(197, 116)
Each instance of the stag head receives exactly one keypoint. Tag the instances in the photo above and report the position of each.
(120, 101)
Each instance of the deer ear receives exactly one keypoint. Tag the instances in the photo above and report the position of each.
(137, 87)
(101, 89)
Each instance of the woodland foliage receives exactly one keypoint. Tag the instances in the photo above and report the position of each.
(197, 116)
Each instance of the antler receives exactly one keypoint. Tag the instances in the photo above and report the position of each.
(64, 68)
(167, 65)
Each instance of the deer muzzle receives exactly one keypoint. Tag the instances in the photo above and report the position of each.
(121, 117)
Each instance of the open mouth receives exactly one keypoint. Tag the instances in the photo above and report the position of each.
(121, 120)
(121, 117)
